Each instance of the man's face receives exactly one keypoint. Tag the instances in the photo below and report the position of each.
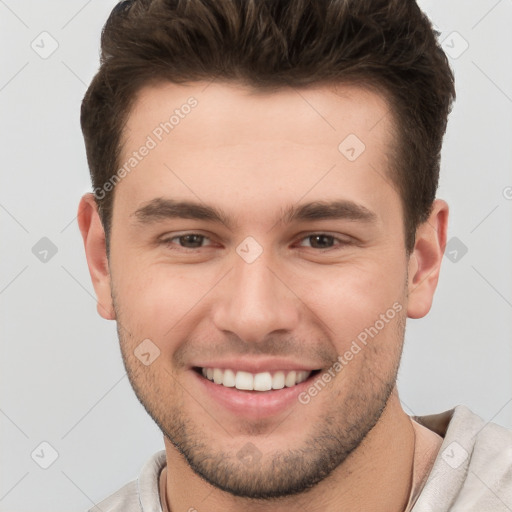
(259, 291)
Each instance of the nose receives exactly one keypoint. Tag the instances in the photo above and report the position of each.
(255, 300)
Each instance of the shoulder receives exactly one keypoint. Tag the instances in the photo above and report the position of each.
(481, 442)
(489, 472)
(140, 495)
(126, 499)
(473, 469)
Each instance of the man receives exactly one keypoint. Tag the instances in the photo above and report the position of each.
(264, 220)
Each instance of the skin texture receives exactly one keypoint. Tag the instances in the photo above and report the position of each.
(253, 155)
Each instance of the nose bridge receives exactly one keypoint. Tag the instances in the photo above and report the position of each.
(253, 301)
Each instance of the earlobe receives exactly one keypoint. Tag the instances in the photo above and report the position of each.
(425, 260)
(93, 236)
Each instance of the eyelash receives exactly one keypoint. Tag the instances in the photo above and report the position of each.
(168, 241)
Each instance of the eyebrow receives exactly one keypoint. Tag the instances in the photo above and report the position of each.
(161, 208)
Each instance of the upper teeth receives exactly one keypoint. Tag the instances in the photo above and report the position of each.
(255, 381)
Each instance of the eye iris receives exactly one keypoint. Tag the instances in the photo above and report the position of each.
(187, 238)
(323, 238)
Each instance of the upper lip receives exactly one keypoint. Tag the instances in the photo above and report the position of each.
(253, 365)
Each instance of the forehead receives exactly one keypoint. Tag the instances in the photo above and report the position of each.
(208, 140)
(307, 115)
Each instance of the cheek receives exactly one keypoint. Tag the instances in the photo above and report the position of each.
(156, 301)
(350, 298)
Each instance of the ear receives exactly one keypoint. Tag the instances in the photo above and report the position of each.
(95, 250)
(425, 260)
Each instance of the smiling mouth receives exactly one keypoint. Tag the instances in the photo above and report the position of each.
(264, 381)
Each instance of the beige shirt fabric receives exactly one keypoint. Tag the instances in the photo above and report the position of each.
(471, 471)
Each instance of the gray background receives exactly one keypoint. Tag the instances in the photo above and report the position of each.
(62, 379)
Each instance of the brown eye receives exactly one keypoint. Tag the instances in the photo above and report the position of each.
(194, 240)
(186, 241)
(322, 241)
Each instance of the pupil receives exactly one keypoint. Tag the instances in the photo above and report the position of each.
(321, 237)
(190, 238)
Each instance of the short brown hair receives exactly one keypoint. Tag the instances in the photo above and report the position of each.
(389, 46)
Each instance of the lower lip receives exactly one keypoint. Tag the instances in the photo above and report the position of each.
(254, 404)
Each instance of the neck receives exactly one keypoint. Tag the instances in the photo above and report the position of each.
(376, 476)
